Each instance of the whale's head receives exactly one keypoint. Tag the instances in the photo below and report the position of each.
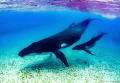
(25, 52)
(30, 49)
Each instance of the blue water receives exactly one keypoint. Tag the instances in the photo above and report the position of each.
(23, 28)
(20, 29)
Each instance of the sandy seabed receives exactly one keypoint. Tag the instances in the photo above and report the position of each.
(103, 67)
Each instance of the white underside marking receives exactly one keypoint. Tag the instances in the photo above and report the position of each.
(63, 45)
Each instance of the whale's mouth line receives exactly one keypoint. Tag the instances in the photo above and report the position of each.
(31, 54)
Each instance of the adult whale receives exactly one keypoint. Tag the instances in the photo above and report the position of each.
(60, 40)
(89, 44)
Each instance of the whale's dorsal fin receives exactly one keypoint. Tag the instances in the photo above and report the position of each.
(72, 25)
(61, 56)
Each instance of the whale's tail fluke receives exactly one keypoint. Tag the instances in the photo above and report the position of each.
(99, 36)
(96, 19)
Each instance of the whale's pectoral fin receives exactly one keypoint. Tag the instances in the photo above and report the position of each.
(89, 52)
(62, 57)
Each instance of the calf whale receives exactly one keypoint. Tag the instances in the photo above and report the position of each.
(89, 44)
(60, 40)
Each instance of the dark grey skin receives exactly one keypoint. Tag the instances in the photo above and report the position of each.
(58, 41)
(89, 44)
